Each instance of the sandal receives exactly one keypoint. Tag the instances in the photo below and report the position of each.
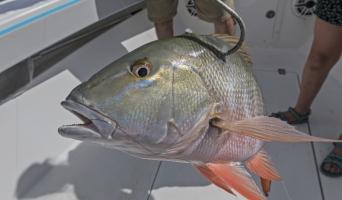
(298, 118)
(333, 159)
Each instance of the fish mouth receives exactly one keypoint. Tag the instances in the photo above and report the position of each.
(96, 126)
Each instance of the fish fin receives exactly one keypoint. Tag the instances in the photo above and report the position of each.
(268, 129)
(237, 178)
(261, 165)
(233, 40)
(266, 185)
(205, 171)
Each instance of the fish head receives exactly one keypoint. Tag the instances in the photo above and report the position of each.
(140, 103)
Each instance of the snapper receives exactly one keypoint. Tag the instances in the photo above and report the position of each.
(183, 99)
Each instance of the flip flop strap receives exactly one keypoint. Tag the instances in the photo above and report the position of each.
(334, 159)
(297, 115)
(338, 145)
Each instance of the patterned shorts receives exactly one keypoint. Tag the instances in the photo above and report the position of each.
(330, 11)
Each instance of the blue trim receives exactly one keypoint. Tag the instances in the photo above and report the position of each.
(37, 17)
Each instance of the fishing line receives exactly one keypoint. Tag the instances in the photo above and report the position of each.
(286, 191)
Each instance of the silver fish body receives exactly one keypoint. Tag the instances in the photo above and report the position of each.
(167, 114)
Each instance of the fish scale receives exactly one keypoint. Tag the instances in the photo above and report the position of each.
(227, 83)
(189, 104)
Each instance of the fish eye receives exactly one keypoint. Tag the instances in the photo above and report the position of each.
(141, 68)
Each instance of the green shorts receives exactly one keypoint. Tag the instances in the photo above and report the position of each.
(330, 11)
(207, 10)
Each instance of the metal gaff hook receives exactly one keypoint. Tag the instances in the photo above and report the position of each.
(241, 26)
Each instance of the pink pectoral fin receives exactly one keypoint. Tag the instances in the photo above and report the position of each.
(268, 129)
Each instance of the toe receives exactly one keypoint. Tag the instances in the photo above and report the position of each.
(327, 166)
(333, 169)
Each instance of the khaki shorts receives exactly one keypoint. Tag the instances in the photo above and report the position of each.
(208, 10)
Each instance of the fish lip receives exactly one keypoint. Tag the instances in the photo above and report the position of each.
(79, 133)
(96, 126)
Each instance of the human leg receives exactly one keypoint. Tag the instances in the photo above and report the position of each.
(164, 29)
(325, 52)
(225, 27)
(161, 13)
(210, 11)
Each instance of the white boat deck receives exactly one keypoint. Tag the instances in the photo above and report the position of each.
(41, 170)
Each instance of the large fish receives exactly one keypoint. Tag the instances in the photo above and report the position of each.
(181, 99)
